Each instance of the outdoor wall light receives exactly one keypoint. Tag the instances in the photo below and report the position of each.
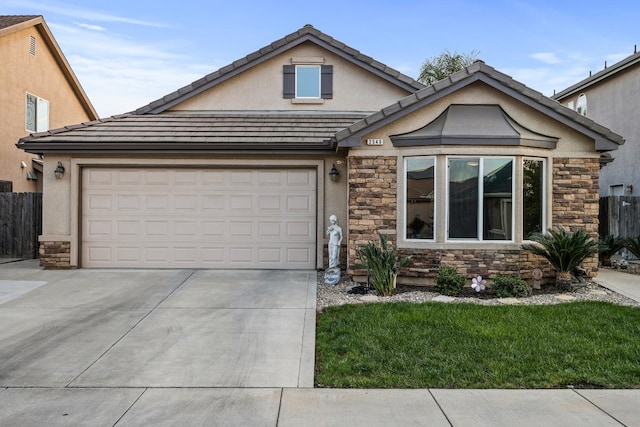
(334, 174)
(59, 171)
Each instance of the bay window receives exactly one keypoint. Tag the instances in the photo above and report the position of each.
(498, 199)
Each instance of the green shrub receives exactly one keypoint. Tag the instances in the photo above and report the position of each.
(382, 264)
(608, 246)
(510, 287)
(565, 251)
(633, 245)
(449, 281)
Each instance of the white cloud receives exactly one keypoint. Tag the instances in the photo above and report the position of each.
(91, 27)
(65, 9)
(547, 57)
(548, 79)
(121, 74)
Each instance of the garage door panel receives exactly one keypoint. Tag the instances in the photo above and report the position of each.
(198, 218)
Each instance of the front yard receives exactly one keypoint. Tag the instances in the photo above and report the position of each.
(437, 345)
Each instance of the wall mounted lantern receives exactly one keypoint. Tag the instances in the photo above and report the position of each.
(59, 171)
(334, 174)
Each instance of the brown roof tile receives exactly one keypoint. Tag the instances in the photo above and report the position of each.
(11, 20)
(221, 131)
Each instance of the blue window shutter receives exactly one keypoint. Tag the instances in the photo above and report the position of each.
(289, 81)
(326, 82)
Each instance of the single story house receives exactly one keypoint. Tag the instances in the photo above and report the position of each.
(242, 168)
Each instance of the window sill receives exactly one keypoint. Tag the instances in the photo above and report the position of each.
(307, 101)
(472, 245)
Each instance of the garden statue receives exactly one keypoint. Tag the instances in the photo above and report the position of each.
(335, 239)
(334, 232)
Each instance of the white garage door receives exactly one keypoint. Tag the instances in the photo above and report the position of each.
(201, 218)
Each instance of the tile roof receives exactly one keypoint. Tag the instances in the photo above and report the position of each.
(11, 20)
(601, 75)
(605, 139)
(306, 33)
(206, 131)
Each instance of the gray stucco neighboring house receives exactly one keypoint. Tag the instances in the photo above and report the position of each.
(610, 97)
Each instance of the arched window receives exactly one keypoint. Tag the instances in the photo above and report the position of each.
(581, 104)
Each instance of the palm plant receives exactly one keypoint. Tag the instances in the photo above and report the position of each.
(382, 264)
(633, 245)
(565, 251)
(608, 246)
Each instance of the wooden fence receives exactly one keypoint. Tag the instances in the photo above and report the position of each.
(620, 216)
(20, 224)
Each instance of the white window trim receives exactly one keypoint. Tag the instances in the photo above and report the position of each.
(479, 230)
(403, 222)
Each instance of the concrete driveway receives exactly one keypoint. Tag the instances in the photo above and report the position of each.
(100, 339)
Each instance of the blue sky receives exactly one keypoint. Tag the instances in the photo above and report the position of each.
(129, 53)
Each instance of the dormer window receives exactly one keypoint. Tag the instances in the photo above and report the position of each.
(307, 80)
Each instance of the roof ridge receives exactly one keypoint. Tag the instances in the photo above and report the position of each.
(307, 32)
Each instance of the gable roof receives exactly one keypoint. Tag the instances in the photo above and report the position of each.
(305, 34)
(604, 138)
(240, 131)
(601, 75)
(12, 23)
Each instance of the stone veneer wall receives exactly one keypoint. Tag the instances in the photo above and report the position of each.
(373, 204)
(372, 201)
(55, 254)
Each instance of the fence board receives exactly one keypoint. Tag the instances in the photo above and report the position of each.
(620, 216)
(20, 224)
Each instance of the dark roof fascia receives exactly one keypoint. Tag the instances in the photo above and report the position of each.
(500, 82)
(598, 77)
(268, 52)
(170, 148)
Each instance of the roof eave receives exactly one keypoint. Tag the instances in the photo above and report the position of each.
(195, 148)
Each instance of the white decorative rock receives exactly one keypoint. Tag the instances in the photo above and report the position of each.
(443, 298)
(369, 298)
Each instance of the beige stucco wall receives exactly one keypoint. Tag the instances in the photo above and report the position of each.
(39, 75)
(260, 88)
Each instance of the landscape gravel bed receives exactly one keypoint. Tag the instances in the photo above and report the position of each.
(333, 295)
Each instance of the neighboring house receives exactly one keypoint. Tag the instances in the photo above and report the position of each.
(610, 97)
(38, 92)
(242, 168)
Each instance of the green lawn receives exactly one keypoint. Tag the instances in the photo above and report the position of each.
(437, 345)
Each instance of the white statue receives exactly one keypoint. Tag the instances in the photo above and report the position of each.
(335, 239)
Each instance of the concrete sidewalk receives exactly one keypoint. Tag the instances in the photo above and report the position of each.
(185, 347)
(148, 406)
(623, 283)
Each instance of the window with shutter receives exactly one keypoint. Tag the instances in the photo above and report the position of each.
(307, 81)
